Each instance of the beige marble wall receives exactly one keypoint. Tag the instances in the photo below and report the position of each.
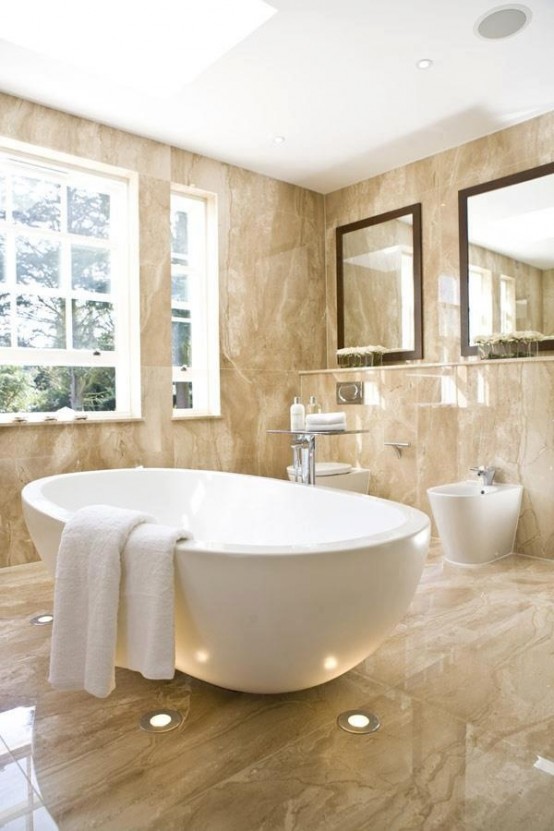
(278, 317)
(435, 183)
(271, 292)
(455, 417)
(466, 413)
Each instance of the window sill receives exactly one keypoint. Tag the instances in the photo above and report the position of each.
(44, 422)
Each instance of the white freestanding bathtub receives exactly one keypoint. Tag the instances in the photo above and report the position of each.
(281, 587)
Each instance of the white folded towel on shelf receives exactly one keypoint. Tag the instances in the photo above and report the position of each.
(326, 421)
(97, 544)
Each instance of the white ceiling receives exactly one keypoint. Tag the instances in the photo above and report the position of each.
(336, 78)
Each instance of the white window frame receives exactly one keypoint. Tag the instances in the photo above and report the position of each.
(124, 294)
(407, 298)
(203, 304)
(507, 304)
(480, 301)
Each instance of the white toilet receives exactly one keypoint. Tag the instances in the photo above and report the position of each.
(338, 475)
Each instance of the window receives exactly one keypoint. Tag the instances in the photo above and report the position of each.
(507, 304)
(480, 301)
(194, 304)
(406, 300)
(68, 292)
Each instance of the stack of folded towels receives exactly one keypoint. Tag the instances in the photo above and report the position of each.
(326, 422)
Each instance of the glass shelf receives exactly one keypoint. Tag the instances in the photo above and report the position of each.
(318, 432)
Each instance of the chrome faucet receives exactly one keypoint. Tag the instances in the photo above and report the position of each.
(303, 459)
(486, 474)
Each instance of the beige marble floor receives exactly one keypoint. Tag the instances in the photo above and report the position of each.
(464, 689)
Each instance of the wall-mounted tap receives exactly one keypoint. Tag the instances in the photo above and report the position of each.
(486, 474)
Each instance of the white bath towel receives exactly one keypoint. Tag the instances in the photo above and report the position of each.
(146, 626)
(326, 421)
(86, 598)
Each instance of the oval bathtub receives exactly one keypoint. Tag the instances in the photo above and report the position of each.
(281, 586)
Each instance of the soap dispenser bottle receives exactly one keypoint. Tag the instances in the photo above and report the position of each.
(297, 414)
(313, 407)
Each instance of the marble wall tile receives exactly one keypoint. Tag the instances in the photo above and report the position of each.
(499, 154)
(271, 263)
(255, 403)
(455, 417)
(155, 276)
(32, 123)
(274, 274)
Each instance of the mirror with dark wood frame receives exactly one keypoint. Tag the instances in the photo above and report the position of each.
(379, 284)
(507, 259)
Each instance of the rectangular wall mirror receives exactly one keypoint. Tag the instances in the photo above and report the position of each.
(507, 258)
(379, 284)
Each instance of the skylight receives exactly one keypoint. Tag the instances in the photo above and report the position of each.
(156, 48)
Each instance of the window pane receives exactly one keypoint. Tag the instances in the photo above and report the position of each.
(13, 389)
(179, 281)
(182, 395)
(38, 262)
(46, 389)
(40, 321)
(90, 269)
(36, 202)
(179, 233)
(180, 340)
(88, 213)
(5, 335)
(93, 325)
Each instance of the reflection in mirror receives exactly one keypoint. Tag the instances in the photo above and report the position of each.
(507, 259)
(379, 284)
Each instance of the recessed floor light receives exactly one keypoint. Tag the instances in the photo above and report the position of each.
(502, 22)
(358, 721)
(424, 63)
(42, 620)
(160, 721)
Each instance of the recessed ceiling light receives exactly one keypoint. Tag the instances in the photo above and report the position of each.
(161, 54)
(424, 63)
(279, 139)
(502, 22)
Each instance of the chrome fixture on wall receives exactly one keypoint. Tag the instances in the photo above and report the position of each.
(350, 392)
(397, 446)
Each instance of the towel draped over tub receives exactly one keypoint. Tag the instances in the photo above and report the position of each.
(114, 575)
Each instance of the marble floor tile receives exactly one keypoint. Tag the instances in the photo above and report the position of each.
(424, 769)
(512, 679)
(464, 690)
(223, 732)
